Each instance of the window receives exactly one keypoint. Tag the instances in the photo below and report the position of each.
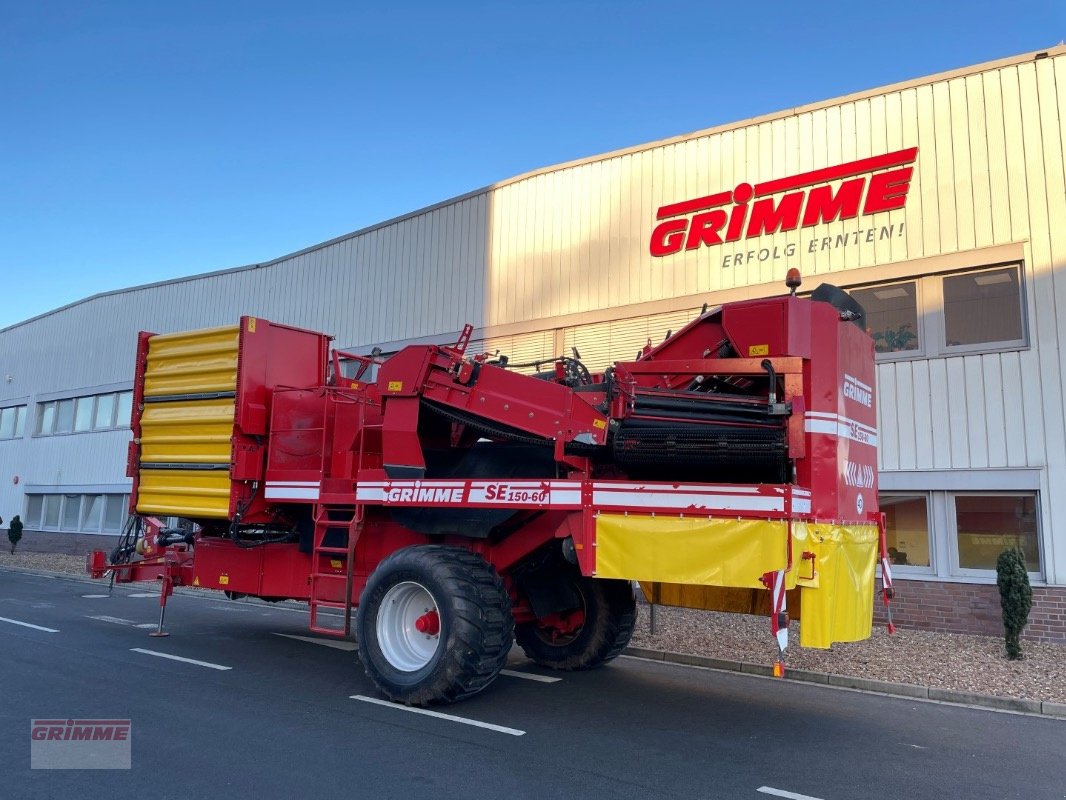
(986, 525)
(982, 308)
(891, 316)
(76, 513)
(105, 411)
(960, 534)
(46, 418)
(83, 414)
(907, 529)
(92, 510)
(125, 410)
(937, 315)
(65, 416)
(12, 422)
(51, 510)
(89, 413)
(71, 512)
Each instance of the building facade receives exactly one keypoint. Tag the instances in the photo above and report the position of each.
(939, 202)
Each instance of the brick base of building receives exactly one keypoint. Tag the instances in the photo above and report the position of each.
(77, 544)
(972, 608)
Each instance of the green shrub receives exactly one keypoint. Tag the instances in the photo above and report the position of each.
(1015, 596)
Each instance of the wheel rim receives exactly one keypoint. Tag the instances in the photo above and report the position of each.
(408, 626)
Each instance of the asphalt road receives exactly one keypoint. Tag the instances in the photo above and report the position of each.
(282, 721)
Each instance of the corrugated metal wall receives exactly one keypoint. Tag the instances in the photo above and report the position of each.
(575, 240)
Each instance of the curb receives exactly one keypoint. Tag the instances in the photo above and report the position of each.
(888, 688)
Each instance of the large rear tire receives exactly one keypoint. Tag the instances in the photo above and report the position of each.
(606, 617)
(434, 625)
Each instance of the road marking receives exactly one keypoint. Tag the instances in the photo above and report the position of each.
(94, 596)
(113, 620)
(783, 793)
(143, 594)
(207, 664)
(439, 715)
(29, 625)
(339, 644)
(529, 676)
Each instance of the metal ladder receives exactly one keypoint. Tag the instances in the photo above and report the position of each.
(326, 586)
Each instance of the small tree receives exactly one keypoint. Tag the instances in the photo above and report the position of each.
(1015, 596)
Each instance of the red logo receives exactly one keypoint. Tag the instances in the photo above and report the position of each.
(703, 222)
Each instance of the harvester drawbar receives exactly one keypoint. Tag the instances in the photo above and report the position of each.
(457, 504)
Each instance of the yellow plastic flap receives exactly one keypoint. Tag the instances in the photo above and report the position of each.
(187, 432)
(840, 609)
(690, 550)
(184, 493)
(192, 362)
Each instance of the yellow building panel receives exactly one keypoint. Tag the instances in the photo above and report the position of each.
(707, 552)
(184, 493)
(192, 362)
(187, 432)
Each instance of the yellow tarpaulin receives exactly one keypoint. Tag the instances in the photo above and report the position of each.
(841, 608)
(689, 550)
(715, 564)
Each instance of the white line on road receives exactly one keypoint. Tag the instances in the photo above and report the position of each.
(529, 676)
(28, 625)
(338, 644)
(143, 594)
(113, 620)
(207, 664)
(94, 596)
(439, 715)
(783, 793)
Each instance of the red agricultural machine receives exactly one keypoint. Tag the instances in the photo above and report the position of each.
(459, 503)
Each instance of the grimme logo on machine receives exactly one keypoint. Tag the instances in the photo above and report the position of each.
(806, 200)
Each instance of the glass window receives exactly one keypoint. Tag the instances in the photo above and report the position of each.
(71, 511)
(989, 524)
(46, 418)
(891, 315)
(20, 421)
(125, 410)
(65, 416)
(115, 512)
(982, 307)
(105, 411)
(92, 510)
(907, 529)
(7, 422)
(51, 510)
(83, 415)
(34, 505)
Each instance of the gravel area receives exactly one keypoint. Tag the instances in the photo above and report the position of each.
(944, 660)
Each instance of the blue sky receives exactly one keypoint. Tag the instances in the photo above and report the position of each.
(144, 141)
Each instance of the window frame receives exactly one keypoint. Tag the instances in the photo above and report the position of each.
(66, 502)
(952, 533)
(94, 400)
(18, 425)
(932, 333)
(920, 319)
(915, 569)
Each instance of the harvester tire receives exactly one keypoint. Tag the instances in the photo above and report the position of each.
(610, 614)
(434, 625)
